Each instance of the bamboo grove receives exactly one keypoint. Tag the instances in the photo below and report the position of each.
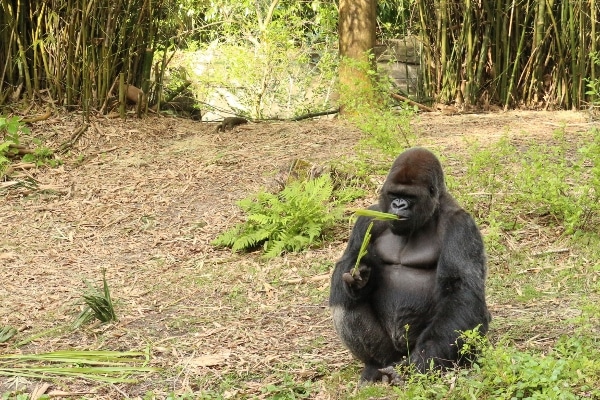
(511, 53)
(70, 52)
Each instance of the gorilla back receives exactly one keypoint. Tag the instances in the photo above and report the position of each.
(422, 281)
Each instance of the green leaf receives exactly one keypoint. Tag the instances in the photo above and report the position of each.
(377, 215)
(97, 365)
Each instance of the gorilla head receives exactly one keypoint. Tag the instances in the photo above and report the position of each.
(412, 190)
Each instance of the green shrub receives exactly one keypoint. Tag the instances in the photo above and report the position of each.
(593, 85)
(385, 125)
(568, 370)
(588, 193)
(292, 220)
(12, 130)
(265, 65)
(505, 184)
(562, 181)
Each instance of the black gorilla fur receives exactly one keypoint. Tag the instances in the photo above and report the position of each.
(422, 281)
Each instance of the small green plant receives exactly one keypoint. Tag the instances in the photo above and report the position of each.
(98, 304)
(593, 85)
(292, 220)
(288, 389)
(6, 333)
(11, 128)
(42, 155)
(12, 131)
(10, 137)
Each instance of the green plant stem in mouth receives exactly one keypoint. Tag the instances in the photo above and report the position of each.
(377, 215)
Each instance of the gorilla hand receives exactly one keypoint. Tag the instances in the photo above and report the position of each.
(357, 279)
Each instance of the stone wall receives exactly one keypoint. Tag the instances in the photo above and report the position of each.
(400, 59)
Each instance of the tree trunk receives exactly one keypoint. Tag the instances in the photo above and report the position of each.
(357, 38)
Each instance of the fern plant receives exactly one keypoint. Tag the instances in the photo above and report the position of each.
(291, 220)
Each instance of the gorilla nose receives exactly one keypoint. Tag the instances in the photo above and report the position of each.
(400, 204)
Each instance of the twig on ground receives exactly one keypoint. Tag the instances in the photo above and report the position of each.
(73, 139)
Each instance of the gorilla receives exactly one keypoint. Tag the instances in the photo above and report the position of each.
(422, 281)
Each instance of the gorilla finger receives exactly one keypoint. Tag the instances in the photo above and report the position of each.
(351, 279)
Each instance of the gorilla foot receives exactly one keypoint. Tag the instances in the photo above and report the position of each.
(390, 376)
(387, 375)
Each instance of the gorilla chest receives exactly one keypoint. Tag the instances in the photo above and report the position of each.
(406, 275)
(420, 251)
(408, 286)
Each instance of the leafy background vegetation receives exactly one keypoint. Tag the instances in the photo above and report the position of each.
(279, 57)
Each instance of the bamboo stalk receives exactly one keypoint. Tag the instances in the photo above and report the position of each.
(593, 15)
(573, 46)
(483, 52)
(468, 95)
(443, 29)
(513, 76)
(582, 59)
(426, 50)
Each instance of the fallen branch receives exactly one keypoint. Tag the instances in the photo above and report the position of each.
(551, 251)
(95, 154)
(19, 149)
(411, 102)
(315, 114)
(108, 96)
(7, 184)
(22, 166)
(37, 118)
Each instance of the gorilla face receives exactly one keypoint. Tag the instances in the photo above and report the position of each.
(412, 190)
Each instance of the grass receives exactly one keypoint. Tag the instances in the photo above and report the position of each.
(263, 325)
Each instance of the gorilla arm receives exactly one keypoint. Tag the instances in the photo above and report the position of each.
(459, 292)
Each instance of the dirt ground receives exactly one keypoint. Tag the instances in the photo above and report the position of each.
(144, 199)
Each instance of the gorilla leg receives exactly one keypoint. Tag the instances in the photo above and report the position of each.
(366, 339)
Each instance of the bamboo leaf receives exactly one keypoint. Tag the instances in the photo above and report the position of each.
(377, 215)
(103, 366)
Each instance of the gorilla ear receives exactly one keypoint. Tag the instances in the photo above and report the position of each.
(432, 190)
